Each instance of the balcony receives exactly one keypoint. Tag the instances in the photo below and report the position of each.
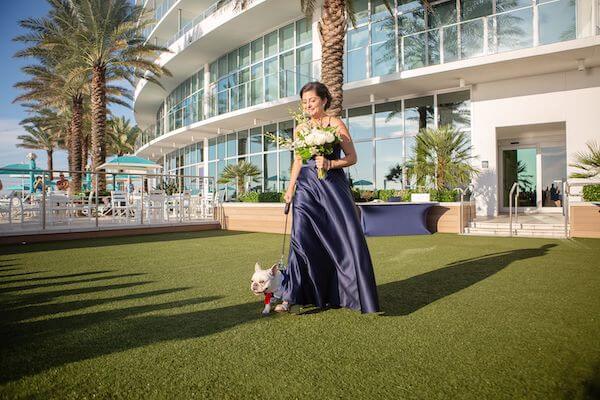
(205, 39)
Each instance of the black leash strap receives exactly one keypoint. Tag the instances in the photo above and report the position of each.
(286, 211)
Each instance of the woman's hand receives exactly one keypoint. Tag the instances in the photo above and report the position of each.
(288, 196)
(322, 163)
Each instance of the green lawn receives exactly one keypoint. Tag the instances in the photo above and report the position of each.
(171, 316)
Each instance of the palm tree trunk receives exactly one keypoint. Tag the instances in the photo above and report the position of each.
(50, 162)
(75, 144)
(84, 153)
(99, 122)
(333, 30)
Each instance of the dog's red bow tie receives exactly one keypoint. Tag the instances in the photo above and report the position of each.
(268, 297)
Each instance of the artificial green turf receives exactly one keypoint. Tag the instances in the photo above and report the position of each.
(171, 316)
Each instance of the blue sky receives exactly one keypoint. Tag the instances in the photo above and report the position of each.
(11, 114)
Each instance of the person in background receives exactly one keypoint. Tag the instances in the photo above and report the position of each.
(62, 183)
(38, 185)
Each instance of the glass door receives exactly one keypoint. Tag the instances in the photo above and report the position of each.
(520, 165)
(554, 173)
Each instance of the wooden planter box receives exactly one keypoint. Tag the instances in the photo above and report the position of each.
(584, 220)
(269, 217)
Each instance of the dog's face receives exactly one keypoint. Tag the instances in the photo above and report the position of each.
(262, 279)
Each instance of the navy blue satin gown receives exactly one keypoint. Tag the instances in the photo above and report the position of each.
(329, 262)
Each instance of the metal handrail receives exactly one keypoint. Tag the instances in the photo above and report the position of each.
(510, 206)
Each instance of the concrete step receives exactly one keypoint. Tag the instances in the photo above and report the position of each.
(529, 226)
(548, 233)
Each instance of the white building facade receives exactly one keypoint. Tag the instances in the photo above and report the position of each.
(521, 77)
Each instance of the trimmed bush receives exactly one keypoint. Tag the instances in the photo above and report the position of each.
(385, 194)
(249, 197)
(270, 197)
(591, 193)
(443, 195)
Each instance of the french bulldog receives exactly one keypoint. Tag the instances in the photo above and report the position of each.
(267, 282)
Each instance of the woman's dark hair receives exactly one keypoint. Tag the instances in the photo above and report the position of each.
(320, 89)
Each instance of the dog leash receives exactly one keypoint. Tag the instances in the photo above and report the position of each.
(286, 211)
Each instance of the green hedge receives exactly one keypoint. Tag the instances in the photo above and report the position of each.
(444, 195)
(262, 197)
(591, 193)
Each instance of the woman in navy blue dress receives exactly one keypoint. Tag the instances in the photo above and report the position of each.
(329, 263)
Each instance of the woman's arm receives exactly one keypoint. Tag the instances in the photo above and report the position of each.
(347, 146)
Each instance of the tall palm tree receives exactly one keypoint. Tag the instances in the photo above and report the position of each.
(443, 155)
(121, 136)
(38, 138)
(109, 35)
(587, 161)
(237, 173)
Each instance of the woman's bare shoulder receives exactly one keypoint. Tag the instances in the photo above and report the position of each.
(337, 121)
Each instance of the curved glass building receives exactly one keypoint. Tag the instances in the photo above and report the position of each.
(522, 78)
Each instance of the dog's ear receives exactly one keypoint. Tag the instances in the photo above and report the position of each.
(274, 269)
(256, 267)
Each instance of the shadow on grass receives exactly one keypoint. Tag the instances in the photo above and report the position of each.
(115, 241)
(407, 296)
(48, 278)
(35, 346)
(21, 274)
(72, 282)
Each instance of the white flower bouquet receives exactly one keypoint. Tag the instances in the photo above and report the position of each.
(312, 140)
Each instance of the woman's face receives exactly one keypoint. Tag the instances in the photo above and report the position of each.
(312, 104)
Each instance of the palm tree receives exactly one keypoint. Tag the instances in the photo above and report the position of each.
(109, 36)
(444, 155)
(587, 161)
(38, 138)
(121, 136)
(238, 173)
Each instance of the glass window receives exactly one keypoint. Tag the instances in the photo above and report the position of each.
(557, 20)
(257, 50)
(221, 147)
(383, 58)
(232, 60)
(286, 37)
(256, 140)
(223, 66)
(411, 17)
(303, 66)
(379, 10)
(442, 14)
(286, 75)
(389, 159)
(356, 65)
(270, 171)
(383, 30)
(388, 119)
(454, 109)
(268, 143)
(271, 79)
(231, 144)
(244, 55)
(271, 44)
(256, 183)
(361, 173)
(471, 9)
(418, 114)
(360, 123)
(361, 11)
(286, 129)
(285, 168)
(303, 32)
(242, 142)
(358, 38)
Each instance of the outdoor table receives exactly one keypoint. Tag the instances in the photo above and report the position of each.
(394, 218)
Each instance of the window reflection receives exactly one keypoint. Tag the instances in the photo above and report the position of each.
(389, 156)
(360, 123)
(418, 114)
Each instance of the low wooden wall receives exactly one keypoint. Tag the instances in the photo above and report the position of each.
(584, 220)
(269, 217)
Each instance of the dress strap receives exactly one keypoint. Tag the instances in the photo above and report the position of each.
(329, 121)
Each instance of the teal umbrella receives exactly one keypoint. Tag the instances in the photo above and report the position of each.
(362, 182)
(19, 169)
(129, 163)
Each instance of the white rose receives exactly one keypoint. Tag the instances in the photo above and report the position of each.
(330, 137)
